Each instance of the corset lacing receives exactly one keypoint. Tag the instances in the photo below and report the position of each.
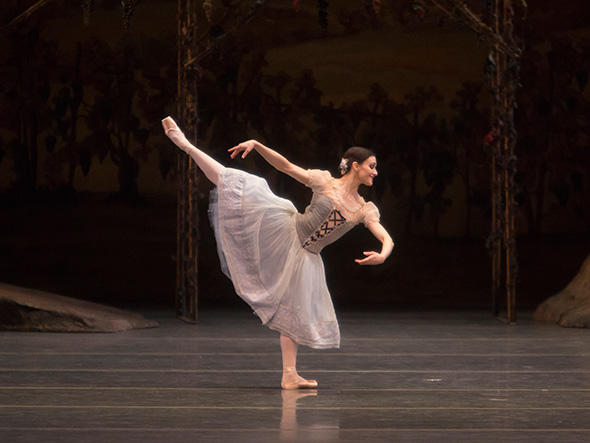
(333, 220)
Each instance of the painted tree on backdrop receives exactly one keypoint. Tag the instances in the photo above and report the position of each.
(438, 169)
(115, 126)
(421, 133)
(83, 106)
(26, 106)
(157, 96)
(468, 124)
(97, 109)
(62, 144)
(554, 118)
(379, 122)
(289, 110)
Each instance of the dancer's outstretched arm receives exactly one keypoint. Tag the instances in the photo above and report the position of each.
(373, 257)
(272, 157)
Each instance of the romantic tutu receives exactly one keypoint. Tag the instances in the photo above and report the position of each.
(271, 252)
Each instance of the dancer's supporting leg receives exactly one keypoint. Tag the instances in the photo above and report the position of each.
(212, 170)
(210, 167)
(291, 379)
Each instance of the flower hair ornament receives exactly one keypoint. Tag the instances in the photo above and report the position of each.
(344, 166)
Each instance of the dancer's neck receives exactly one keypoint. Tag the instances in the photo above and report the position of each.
(349, 183)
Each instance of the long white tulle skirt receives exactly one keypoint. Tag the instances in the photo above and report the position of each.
(260, 252)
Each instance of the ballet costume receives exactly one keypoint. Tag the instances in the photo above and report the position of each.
(271, 252)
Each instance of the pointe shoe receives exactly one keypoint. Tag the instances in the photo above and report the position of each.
(169, 124)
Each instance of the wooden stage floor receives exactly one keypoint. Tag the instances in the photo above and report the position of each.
(399, 376)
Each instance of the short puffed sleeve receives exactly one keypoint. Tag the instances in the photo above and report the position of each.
(371, 214)
(317, 178)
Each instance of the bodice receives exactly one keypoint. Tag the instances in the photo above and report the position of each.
(321, 224)
(327, 218)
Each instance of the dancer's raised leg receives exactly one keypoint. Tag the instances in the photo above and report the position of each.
(210, 167)
(291, 379)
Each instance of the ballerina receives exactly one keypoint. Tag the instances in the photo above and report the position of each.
(271, 252)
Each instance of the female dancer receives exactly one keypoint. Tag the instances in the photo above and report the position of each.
(271, 252)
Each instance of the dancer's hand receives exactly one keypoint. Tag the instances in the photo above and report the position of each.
(372, 258)
(244, 147)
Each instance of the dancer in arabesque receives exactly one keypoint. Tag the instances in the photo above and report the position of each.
(271, 252)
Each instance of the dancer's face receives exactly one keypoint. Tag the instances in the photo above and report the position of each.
(367, 171)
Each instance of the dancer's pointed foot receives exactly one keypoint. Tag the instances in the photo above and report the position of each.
(175, 134)
(292, 380)
(169, 125)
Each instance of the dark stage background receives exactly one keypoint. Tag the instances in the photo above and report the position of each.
(87, 179)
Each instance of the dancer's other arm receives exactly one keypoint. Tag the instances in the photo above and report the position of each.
(373, 257)
(278, 161)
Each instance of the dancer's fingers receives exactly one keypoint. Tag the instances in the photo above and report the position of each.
(234, 151)
(371, 258)
(239, 148)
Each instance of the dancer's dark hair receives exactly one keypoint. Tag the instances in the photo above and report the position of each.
(355, 154)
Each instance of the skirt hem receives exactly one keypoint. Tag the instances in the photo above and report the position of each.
(301, 341)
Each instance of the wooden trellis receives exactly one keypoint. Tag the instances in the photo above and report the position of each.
(192, 48)
(187, 233)
(502, 71)
(504, 80)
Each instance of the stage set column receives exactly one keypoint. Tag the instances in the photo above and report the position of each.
(187, 232)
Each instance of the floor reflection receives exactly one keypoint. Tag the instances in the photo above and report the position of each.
(317, 424)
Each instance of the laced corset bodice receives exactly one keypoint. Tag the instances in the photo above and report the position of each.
(327, 218)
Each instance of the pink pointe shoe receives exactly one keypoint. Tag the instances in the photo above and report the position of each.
(168, 124)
